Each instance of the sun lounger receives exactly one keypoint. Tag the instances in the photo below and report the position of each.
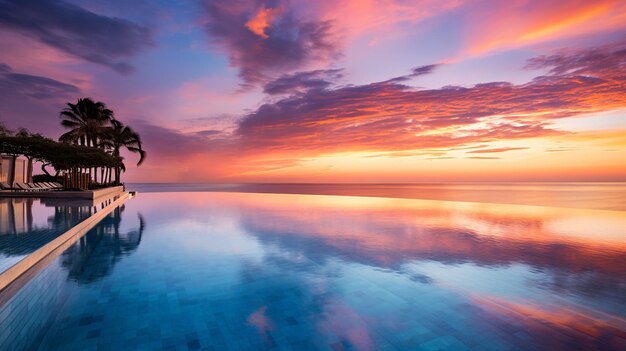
(26, 187)
(21, 186)
(52, 186)
(43, 185)
(37, 186)
(5, 186)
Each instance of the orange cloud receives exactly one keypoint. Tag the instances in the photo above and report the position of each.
(315, 130)
(367, 16)
(513, 24)
(261, 21)
(390, 116)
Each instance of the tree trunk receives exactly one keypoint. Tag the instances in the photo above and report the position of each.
(43, 168)
(12, 174)
(29, 171)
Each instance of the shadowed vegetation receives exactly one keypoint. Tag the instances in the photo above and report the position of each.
(90, 149)
(92, 124)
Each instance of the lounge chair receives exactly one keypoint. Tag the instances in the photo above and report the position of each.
(43, 185)
(25, 187)
(37, 187)
(51, 186)
(6, 186)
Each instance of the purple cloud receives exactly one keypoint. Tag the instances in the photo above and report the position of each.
(415, 72)
(601, 60)
(33, 86)
(301, 82)
(263, 38)
(103, 40)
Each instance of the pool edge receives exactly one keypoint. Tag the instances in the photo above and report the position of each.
(64, 240)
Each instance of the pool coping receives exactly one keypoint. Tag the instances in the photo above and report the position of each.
(63, 241)
(65, 194)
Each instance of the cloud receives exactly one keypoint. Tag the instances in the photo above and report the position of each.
(496, 150)
(263, 40)
(602, 60)
(389, 116)
(262, 21)
(416, 72)
(169, 142)
(302, 81)
(379, 19)
(33, 86)
(99, 39)
(492, 26)
(208, 132)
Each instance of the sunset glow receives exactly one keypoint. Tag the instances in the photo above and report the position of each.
(333, 91)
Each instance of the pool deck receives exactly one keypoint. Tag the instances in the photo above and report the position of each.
(83, 194)
(64, 240)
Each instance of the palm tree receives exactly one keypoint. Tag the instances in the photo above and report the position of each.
(120, 136)
(86, 120)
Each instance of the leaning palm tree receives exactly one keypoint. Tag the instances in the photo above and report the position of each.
(120, 136)
(86, 120)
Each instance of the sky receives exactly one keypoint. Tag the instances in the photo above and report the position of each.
(332, 91)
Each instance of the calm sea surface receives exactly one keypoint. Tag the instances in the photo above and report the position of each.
(605, 196)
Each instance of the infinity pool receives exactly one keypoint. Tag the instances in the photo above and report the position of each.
(233, 271)
(26, 224)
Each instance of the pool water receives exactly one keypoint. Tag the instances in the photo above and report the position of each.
(26, 224)
(233, 271)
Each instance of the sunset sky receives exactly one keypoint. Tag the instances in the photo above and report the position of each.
(332, 91)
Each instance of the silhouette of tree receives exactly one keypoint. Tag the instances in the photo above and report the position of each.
(94, 255)
(86, 120)
(93, 124)
(120, 136)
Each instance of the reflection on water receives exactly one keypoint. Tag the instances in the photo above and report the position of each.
(95, 255)
(26, 224)
(603, 196)
(258, 271)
